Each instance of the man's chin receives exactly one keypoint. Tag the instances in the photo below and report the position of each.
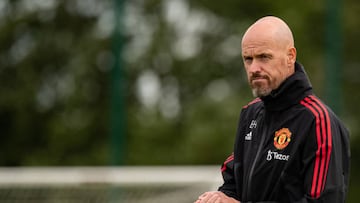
(260, 92)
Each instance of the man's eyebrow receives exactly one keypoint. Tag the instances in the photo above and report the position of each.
(247, 57)
(264, 55)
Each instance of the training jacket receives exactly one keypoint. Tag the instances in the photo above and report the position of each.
(290, 147)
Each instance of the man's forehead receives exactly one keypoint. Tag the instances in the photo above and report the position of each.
(256, 49)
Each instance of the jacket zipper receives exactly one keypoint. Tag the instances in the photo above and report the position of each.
(261, 144)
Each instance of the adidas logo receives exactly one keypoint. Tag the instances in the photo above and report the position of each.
(248, 136)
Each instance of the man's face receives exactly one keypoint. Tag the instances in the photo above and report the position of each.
(265, 64)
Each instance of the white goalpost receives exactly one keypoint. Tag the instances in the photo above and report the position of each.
(145, 184)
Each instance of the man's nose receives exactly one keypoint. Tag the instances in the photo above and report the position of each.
(254, 67)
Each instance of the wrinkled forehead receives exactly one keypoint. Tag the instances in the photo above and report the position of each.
(259, 44)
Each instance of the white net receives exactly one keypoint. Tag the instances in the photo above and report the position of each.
(107, 184)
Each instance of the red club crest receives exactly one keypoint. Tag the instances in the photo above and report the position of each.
(282, 138)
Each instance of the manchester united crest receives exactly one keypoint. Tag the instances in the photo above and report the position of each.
(282, 138)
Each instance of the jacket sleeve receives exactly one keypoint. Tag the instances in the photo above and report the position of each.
(227, 171)
(231, 183)
(325, 160)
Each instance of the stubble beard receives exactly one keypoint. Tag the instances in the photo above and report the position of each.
(260, 88)
(260, 91)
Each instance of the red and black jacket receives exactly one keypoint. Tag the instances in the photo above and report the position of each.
(289, 147)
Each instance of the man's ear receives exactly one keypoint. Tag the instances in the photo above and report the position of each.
(291, 56)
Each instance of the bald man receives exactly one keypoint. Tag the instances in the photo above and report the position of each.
(289, 147)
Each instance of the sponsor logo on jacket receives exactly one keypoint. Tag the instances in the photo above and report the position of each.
(276, 156)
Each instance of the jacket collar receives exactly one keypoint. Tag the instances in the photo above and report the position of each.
(290, 92)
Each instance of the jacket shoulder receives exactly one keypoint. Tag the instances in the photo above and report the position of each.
(315, 107)
(253, 103)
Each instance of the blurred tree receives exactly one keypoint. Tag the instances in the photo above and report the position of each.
(53, 84)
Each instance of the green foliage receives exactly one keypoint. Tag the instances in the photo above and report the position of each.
(51, 88)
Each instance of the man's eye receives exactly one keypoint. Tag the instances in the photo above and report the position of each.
(264, 56)
(247, 59)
